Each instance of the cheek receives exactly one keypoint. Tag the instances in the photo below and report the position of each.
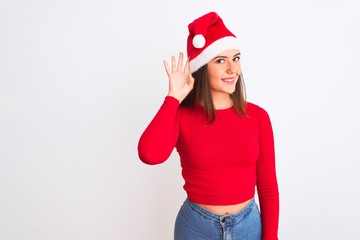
(212, 82)
(237, 67)
(215, 72)
(214, 76)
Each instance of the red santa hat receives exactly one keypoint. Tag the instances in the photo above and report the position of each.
(208, 36)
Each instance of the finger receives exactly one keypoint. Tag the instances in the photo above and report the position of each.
(180, 63)
(190, 79)
(187, 67)
(173, 63)
(187, 72)
(166, 67)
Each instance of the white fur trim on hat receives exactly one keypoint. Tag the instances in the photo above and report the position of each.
(212, 50)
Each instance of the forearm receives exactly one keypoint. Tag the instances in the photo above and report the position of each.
(267, 185)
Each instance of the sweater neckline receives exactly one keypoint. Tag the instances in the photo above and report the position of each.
(198, 105)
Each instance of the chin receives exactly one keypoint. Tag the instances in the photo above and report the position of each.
(231, 91)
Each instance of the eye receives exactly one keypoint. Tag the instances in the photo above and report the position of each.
(236, 59)
(220, 60)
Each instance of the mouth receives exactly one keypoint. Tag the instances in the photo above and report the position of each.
(229, 81)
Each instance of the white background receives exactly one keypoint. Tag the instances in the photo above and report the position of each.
(80, 81)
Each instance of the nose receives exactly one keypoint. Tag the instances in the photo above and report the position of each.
(232, 67)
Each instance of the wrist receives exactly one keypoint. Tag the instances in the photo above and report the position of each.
(175, 96)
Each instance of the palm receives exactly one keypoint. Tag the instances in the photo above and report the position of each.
(180, 80)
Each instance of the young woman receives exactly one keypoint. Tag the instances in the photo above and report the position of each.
(225, 144)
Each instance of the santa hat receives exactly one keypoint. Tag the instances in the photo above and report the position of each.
(208, 36)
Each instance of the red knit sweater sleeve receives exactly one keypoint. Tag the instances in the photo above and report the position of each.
(159, 138)
(267, 186)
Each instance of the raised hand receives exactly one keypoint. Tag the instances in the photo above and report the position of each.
(181, 81)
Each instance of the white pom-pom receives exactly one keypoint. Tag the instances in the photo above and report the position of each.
(198, 41)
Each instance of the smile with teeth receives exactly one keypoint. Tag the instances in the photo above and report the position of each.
(229, 80)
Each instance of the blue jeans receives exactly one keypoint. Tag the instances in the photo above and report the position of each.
(196, 223)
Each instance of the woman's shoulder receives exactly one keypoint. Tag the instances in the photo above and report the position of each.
(250, 106)
(255, 109)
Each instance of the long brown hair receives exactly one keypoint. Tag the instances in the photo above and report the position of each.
(202, 93)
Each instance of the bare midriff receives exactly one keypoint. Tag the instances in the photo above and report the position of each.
(227, 209)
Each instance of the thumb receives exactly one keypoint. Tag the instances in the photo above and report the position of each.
(191, 79)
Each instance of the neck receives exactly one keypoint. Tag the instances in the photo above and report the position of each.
(222, 101)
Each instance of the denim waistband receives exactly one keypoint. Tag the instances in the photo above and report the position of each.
(216, 218)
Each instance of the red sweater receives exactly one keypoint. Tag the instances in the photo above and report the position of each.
(221, 162)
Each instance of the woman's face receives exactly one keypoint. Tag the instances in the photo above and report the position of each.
(224, 71)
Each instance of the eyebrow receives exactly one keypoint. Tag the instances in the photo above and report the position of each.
(238, 54)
